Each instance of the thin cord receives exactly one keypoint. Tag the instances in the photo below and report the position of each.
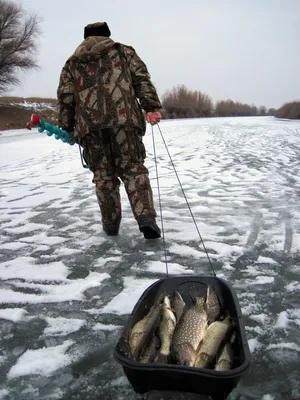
(186, 199)
(160, 207)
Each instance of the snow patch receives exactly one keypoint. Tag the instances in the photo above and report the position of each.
(282, 320)
(26, 268)
(254, 344)
(62, 326)
(43, 361)
(71, 290)
(173, 268)
(103, 327)
(124, 302)
(13, 314)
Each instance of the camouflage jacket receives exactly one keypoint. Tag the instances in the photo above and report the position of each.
(100, 85)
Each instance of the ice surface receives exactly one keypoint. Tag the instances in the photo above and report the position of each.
(66, 290)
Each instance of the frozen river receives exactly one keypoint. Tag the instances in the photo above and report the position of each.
(66, 290)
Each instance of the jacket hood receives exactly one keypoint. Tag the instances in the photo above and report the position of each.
(93, 46)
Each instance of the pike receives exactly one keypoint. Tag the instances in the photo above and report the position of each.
(189, 332)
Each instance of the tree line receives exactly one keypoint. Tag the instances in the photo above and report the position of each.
(181, 102)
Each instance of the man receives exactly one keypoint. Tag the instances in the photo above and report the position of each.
(98, 93)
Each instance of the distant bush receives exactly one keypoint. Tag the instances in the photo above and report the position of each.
(289, 110)
(181, 102)
(230, 108)
(272, 111)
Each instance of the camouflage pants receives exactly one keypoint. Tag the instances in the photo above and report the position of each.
(113, 153)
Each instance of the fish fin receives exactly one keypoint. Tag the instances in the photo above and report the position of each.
(177, 295)
(161, 358)
(220, 299)
(173, 298)
(211, 288)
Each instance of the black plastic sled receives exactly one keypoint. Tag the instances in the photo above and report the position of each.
(170, 377)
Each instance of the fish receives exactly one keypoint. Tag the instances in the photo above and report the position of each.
(143, 331)
(166, 329)
(213, 307)
(213, 339)
(149, 353)
(225, 358)
(189, 332)
(179, 305)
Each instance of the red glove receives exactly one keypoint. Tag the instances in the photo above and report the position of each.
(153, 117)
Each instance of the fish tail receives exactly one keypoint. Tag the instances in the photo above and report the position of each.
(208, 288)
(160, 298)
(162, 358)
(194, 293)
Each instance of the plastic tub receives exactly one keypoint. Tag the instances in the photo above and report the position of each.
(171, 377)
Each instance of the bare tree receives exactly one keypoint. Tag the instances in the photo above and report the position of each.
(262, 111)
(18, 34)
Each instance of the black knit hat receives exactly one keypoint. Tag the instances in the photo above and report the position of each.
(97, 29)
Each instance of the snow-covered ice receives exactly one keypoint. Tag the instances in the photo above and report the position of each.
(66, 290)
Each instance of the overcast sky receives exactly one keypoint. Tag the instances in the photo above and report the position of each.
(246, 50)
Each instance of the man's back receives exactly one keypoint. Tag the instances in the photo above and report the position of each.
(104, 79)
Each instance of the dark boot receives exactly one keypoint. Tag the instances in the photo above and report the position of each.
(148, 226)
(110, 229)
